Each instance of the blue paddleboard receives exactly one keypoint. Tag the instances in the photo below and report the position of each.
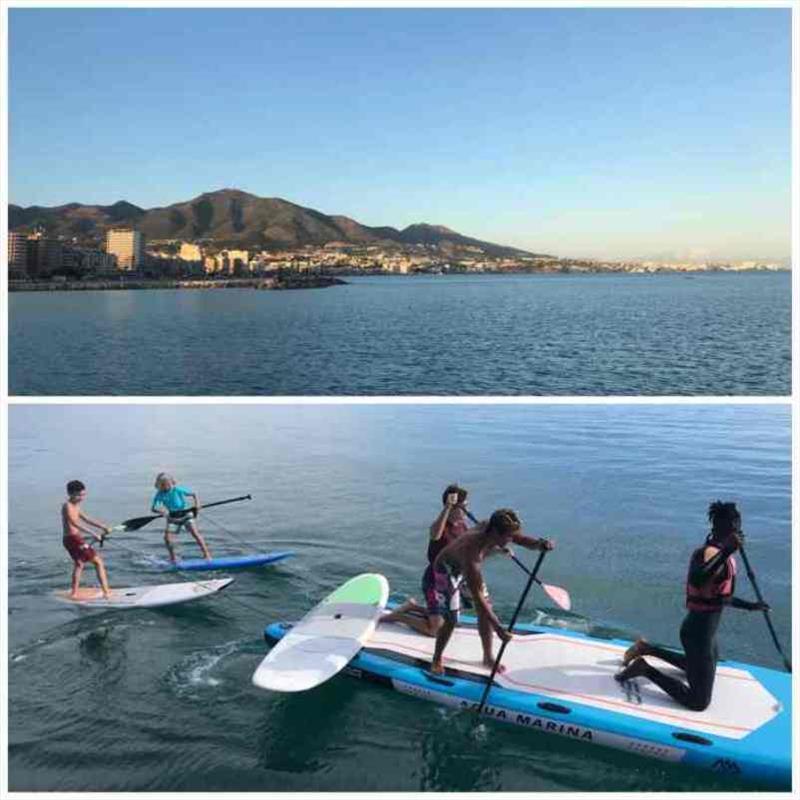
(562, 682)
(227, 562)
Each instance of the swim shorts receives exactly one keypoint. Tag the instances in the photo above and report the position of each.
(78, 550)
(180, 522)
(441, 590)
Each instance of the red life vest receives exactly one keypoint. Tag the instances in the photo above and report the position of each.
(452, 530)
(709, 597)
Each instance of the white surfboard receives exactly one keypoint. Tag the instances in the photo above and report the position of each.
(327, 638)
(163, 594)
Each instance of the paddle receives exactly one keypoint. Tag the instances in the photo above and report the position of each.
(136, 523)
(531, 579)
(557, 594)
(751, 575)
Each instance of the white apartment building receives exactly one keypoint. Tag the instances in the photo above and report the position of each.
(128, 246)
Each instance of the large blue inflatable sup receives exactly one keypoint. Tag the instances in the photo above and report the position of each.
(562, 683)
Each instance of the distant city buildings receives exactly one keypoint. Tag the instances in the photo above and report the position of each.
(39, 257)
(128, 246)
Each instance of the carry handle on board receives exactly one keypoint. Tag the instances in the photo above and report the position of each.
(557, 594)
(136, 523)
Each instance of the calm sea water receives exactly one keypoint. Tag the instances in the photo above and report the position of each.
(161, 700)
(714, 334)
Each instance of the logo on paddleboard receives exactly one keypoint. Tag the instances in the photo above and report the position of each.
(727, 766)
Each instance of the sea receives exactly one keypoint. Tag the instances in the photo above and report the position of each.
(596, 334)
(162, 700)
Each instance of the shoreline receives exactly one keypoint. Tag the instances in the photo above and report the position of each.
(318, 281)
(270, 284)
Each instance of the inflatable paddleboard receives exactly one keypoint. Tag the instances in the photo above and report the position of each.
(561, 682)
(164, 594)
(224, 562)
(325, 640)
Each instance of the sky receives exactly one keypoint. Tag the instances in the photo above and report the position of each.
(584, 132)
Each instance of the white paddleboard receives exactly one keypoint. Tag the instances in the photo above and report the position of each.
(163, 594)
(327, 638)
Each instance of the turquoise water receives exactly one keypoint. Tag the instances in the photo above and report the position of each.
(162, 700)
(713, 334)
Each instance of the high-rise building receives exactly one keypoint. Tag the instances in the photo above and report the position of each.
(17, 255)
(44, 255)
(128, 246)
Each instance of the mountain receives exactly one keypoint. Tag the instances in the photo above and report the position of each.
(231, 217)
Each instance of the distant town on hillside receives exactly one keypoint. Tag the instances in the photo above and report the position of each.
(231, 234)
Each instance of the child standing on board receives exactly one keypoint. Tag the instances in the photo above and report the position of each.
(170, 501)
(72, 517)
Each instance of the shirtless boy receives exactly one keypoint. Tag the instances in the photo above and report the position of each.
(463, 559)
(74, 523)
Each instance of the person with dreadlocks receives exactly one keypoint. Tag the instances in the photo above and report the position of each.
(709, 588)
(462, 560)
(450, 523)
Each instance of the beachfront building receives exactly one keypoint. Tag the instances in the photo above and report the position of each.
(17, 256)
(190, 252)
(128, 247)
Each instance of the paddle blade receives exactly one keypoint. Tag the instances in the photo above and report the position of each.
(137, 522)
(558, 595)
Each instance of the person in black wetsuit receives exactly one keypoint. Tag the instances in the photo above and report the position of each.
(709, 588)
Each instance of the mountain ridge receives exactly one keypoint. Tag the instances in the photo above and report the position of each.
(234, 217)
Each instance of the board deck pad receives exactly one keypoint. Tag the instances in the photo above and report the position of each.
(224, 562)
(563, 667)
(164, 594)
(327, 638)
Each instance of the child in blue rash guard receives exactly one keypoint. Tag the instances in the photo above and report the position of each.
(170, 501)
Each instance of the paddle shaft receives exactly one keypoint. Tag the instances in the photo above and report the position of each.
(531, 579)
(752, 577)
(140, 522)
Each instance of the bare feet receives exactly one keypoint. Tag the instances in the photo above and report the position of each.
(437, 668)
(636, 650)
(635, 669)
(410, 605)
(490, 665)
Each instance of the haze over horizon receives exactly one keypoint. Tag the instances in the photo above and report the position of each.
(607, 133)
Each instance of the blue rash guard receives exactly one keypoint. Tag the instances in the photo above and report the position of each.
(174, 500)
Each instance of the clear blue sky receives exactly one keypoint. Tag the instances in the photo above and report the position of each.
(605, 132)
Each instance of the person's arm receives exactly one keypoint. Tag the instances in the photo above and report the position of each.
(76, 516)
(157, 506)
(532, 543)
(745, 605)
(437, 526)
(714, 560)
(93, 522)
(196, 500)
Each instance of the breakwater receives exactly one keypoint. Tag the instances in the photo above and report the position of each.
(118, 284)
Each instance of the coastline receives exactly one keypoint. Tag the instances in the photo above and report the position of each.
(272, 284)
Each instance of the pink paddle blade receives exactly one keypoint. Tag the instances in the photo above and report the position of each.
(558, 595)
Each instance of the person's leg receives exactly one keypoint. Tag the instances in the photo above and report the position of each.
(442, 638)
(641, 647)
(409, 606)
(697, 637)
(168, 543)
(199, 539)
(77, 570)
(102, 576)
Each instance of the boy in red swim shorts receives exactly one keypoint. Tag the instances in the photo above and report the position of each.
(80, 552)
